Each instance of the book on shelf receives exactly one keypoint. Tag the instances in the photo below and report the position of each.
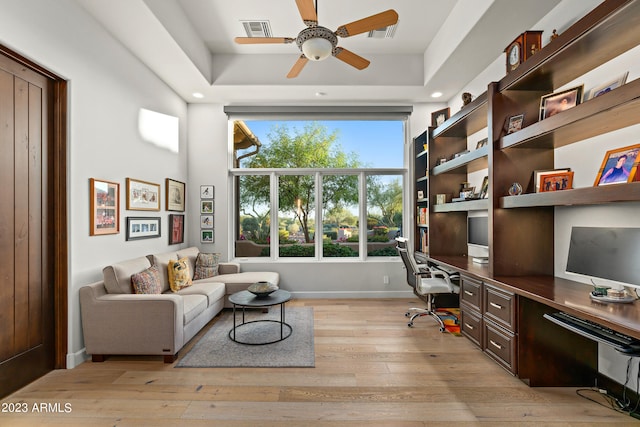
(423, 240)
(423, 216)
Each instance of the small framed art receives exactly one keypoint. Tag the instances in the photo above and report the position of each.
(484, 189)
(206, 206)
(142, 195)
(207, 236)
(515, 123)
(176, 229)
(555, 103)
(206, 221)
(142, 228)
(618, 166)
(207, 192)
(440, 116)
(104, 207)
(539, 174)
(556, 181)
(606, 87)
(175, 195)
(483, 142)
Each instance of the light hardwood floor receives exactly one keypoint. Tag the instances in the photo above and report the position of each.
(371, 370)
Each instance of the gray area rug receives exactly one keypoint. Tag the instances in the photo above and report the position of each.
(216, 350)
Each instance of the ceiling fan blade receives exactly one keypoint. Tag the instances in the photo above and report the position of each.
(263, 40)
(297, 67)
(373, 22)
(307, 12)
(351, 58)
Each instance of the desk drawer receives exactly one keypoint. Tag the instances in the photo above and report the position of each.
(500, 345)
(471, 324)
(471, 292)
(500, 306)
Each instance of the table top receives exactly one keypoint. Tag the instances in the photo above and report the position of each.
(247, 299)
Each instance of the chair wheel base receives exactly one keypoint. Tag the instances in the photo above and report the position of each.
(410, 325)
(407, 314)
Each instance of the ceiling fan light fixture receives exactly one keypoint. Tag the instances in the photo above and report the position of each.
(317, 43)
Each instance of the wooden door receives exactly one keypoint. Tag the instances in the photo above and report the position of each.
(27, 332)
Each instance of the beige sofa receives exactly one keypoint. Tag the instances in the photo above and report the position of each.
(115, 320)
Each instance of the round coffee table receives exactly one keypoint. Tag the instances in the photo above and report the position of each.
(245, 299)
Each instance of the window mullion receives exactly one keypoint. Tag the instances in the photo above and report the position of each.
(362, 212)
(273, 227)
(318, 219)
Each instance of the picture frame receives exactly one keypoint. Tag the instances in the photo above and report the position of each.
(142, 228)
(104, 207)
(482, 143)
(440, 116)
(556, 182)
(558, 102)
(207, 192)
(484, 188)
(142, 195)
(206, 206)
(175, 195)
(420, 194)
(616, 171)
(441, 199)
(206, 221)
(606, 87)
(176, 229)
(207, 236)
(515, 123)
(538, 174)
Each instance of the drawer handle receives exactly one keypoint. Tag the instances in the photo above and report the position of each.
(495, 344)
(468, 326)
(469, 293)
(498, 306)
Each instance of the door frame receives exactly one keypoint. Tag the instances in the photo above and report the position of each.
(57, 161)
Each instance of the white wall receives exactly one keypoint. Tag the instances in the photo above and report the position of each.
(107, 87)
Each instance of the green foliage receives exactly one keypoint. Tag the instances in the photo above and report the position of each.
(388, 251)
(378, 238)
(336, 250)
(387, 198)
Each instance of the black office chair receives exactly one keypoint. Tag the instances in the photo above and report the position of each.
(426, 282)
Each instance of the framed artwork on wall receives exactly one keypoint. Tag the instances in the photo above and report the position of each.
(207, 236)
(206, 206)
(176, 229)
(206, 221)
(104, 207)
(207, 192)
(142, 195)
(175, 195)
(142, 228)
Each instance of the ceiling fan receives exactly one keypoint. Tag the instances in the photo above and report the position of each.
(317, 43)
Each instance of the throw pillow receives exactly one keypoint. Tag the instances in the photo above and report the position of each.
(206, 266)
(179, 274)
(147, 281)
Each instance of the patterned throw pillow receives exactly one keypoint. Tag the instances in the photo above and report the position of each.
(147, 281)
(206, 266)
(179, 274)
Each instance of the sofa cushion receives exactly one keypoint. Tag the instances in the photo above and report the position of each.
(179, 274)
(147, 281)
(162, 261)
(213, 290)
(193, 306)
(117, 277)
(241, 281)
(191, 254)
(206, 266)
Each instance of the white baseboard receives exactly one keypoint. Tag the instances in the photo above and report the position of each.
(354, 294)
(76, 359)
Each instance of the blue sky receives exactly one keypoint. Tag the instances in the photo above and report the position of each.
(378, 143)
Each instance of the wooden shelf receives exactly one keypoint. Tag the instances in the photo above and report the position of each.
(470, 162)
(423, 225)
(468, 120)
(422, 154)
(423, 200)
(422, 179)
(471, 205)
(580, 196)
(611, 111)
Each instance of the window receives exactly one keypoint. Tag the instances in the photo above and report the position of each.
(318, 189)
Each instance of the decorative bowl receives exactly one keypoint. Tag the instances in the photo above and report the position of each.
(262, 289)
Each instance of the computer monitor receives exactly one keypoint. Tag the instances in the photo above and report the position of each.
(609, 254)
(478, 238)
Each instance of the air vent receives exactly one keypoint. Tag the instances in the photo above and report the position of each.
(257, 28)
(383, 33)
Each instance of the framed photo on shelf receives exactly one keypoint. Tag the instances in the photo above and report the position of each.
(104, 207)
(484, 189)
(440, 116)
(142, 195)
(207, 236)
(515, 123)
(206, 206)
(176, 229)
(207, 192)
(483, 142)
(175, 195)
(556, 181)
(206, 221)
(555, 103)
(142, 228)
(538, 174)
(618, 166)
(607, 87)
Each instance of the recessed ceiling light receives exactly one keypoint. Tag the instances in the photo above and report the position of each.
(321, 93)
(197, 95)
(436, 94)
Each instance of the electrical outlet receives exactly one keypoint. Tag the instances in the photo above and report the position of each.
(385, 280)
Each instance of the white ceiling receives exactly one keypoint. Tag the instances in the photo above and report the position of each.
(439, 45)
